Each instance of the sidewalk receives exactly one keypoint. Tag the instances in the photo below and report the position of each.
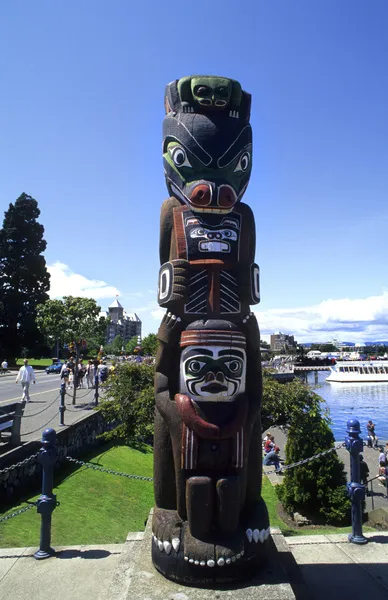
(319, 567)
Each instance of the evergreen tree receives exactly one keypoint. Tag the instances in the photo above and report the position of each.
(24, 280)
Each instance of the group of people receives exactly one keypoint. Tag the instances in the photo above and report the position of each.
(271, 452)
(85, 373)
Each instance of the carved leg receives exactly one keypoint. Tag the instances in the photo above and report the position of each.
(228, 504)
(200, 505)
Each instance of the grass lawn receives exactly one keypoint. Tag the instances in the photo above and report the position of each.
(98, 508)
(35, 362)
(95, 507)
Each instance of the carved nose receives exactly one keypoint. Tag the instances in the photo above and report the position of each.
(226, 196)
(220, 377)
(201, 195)
(210, 376)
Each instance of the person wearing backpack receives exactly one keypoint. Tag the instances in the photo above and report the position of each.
(102, 372)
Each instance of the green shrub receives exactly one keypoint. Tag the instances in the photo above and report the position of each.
(316, 489)
(129, 404)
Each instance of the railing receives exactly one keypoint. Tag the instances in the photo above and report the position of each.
(47, 502)
(62, 408)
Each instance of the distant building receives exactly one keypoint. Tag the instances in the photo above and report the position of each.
(121, 323)
(280, 342)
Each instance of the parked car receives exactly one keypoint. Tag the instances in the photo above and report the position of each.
(54, 368)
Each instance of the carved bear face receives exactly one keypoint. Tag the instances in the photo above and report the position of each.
(207, 142)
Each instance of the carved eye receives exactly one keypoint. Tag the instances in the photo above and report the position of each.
(244, 162)
(234, 366)
(195, 366)
(202, 91)
(227, 233)
(222, 91)
(178, 155)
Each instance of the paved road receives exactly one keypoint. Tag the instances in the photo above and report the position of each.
(45, 401)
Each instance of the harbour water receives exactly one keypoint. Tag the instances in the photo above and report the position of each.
(362, 401)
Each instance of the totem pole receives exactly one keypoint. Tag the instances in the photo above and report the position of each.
(210, 523)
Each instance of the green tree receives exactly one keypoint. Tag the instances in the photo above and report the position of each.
(117, 345)
(318, 488)
(128, 404)
(150, 344)
(73, 320)
(24, 280)
(131, 345)
(282, 403)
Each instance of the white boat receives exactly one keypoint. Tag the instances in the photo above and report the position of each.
(359, 371)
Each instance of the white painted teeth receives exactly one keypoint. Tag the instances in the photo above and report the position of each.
(176, 543)
(202, 563)
(210, 563)
(257, 535)
(167, 547)
(221, 562)
(228, 561)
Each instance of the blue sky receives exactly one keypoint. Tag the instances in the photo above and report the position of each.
(81, 110)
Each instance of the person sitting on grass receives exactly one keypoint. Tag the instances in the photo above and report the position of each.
(272, 458)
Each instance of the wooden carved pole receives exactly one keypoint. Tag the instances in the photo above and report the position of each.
(210, 523)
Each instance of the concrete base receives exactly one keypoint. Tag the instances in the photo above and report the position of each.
(379, 517)
(272, 582)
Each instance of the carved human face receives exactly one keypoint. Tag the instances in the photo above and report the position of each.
(212, 373)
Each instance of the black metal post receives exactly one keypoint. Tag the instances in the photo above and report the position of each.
(96, 388)
(356, 490)
(62, 406)
(47, 501)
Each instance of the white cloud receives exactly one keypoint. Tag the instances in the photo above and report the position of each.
(63, 282)
(346, 319)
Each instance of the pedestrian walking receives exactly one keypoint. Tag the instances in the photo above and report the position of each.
(90, 374)
(65, 374)
(4, 365)
(25, 376)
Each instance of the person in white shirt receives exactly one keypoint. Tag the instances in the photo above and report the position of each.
(26, 375)
(4, 365)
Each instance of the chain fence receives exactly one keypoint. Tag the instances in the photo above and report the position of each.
(22, 463)
(18, 512)
(305, 460)
(81, 463)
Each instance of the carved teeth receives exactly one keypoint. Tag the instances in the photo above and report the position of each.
(202, 563)
(167, 547)
(160, 545)
(191, 560)
(256, 534)
(228, 561)
(221, 562)
(186, 558)
(233, 559)
(238, 556)
(242, 552)
(267, 533)
(196, 562)
(176, 543)
(249, 534)
(262, 535)
(211, 563)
